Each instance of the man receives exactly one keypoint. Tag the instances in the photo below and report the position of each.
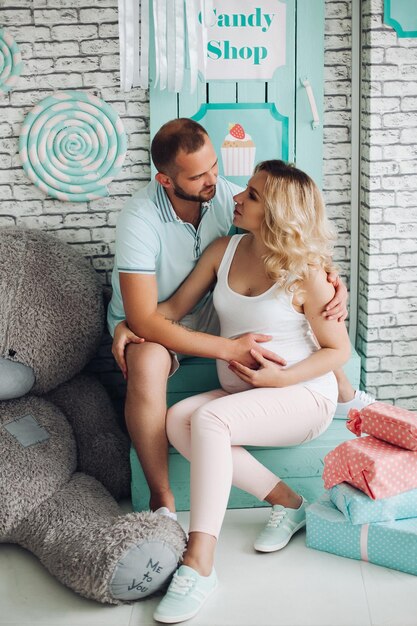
(160, 235)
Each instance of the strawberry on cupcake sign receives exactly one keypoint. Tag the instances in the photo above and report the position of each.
(244, 40)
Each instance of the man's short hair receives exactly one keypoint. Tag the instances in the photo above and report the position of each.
(174, 136)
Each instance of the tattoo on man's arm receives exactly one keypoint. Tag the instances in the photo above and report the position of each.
(191, 330)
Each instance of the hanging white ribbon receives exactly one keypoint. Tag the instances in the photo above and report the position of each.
(175, 41)
(129, 43)
(144, 44)
(171, 44)
(122, 43)
(191, 22)
(179, 45)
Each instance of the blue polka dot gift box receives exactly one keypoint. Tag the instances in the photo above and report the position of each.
(391, 544)
(358, 508)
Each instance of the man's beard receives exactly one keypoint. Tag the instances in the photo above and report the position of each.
(180, 193)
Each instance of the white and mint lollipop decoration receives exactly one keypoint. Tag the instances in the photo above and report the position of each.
(10, 61)
(72, 145)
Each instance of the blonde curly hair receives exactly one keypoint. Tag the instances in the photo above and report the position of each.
(295, 229)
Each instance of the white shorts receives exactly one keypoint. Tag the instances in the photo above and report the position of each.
(204, 320)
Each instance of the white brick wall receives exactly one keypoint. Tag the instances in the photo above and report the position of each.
(388, 246)
(69, 45)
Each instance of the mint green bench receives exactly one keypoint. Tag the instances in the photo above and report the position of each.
(301, 466)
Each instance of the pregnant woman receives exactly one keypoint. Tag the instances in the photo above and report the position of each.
(272, 281)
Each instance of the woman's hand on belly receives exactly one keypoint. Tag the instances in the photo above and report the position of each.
(268, 374)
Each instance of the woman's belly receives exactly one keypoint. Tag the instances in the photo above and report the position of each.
(292, 354)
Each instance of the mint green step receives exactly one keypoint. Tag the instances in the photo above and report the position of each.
(300, 466)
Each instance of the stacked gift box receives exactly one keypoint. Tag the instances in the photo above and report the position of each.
(370, 510)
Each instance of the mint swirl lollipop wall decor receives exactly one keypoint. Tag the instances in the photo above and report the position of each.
(10, 61)
(72, 144)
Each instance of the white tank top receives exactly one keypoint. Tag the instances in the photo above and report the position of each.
(270, 313)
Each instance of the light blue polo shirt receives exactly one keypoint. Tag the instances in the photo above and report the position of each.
(152, 239)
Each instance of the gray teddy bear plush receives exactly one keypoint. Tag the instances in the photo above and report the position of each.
(63, 457)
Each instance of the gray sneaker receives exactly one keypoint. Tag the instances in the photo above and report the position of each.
(283, 523)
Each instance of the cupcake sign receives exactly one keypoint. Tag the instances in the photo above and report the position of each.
(238, 152)
(243, 40)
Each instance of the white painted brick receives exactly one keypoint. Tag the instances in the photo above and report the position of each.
(379, 378)
(335, 135)
(400, 120)
(110, 62)
(408, 167)
(43, 222)
(337, 9)
(54, 82)
(37, 66)
(101, 79)
(397, 333)
(77, 64)
(383, 168)
(395, 245)
(407, 199)
(28, 34)
(71, 235)
(84, 220)
(400, 152)
(385, 137)
(27, 192)
(92, 16)
(372, 364)
(56, 16)
(5, 192)
(406, 230)
(100, 47)
(16, 16)
(399, 275)
(108, 30)
(399, 305)
(401, 56)
(84, 31)
(5, 161)
(399, 182)
(52, 50)
(408, 260)
(337, 26)
(393, 88)
(381, 261)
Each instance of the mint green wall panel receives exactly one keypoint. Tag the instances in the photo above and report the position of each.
(310, 66)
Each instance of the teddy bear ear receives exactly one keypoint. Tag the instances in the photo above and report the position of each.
(53, 317)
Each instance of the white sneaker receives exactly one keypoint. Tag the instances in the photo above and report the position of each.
(360, 400)
(164, 510)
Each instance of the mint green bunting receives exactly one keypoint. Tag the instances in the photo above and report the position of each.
(72, 144)
(10, 61)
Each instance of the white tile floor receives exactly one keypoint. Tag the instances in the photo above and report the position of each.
(295, 587)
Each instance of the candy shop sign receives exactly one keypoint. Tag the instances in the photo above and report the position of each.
(243, 40)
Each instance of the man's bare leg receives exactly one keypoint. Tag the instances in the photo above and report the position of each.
(148, 367)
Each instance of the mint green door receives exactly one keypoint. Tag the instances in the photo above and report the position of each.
(253, 119)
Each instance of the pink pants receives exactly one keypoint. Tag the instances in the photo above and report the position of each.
(210, 429)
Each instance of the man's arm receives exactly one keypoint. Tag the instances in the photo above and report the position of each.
(140, 299)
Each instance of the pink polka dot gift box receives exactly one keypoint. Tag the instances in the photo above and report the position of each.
(377, 468)
(391, 544)
(387, 422)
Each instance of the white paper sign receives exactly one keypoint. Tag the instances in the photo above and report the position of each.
(245, 40)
